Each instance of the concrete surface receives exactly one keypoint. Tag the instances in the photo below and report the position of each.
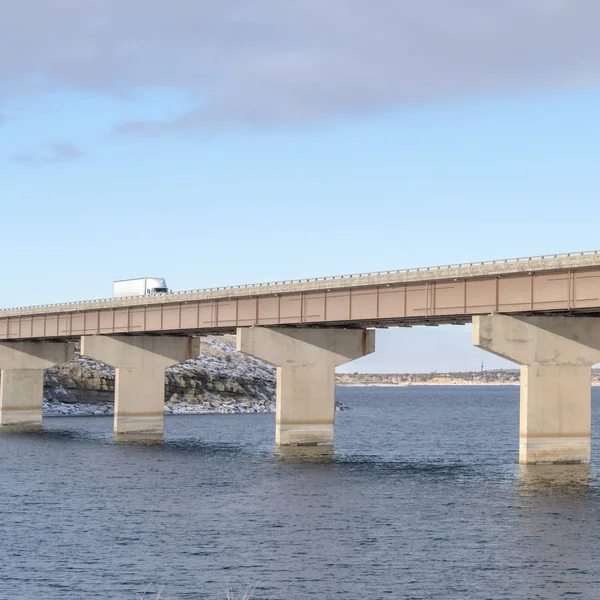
(22, 385)
(306, 360)
(140, 364)
(556, 355)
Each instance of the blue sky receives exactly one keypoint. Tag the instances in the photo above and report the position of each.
(93, 190)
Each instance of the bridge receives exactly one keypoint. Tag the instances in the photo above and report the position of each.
(540, 312)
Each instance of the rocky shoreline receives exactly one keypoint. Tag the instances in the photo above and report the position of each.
(220, 381)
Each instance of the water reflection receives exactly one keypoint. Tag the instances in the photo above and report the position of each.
(142, 439)
(32, 428)
(551, 529)
(422, 498)
(565, 479)
(320, 454)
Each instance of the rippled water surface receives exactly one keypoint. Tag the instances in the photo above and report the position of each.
(423, 498)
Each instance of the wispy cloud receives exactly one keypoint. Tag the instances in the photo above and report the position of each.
(270, 62)
(53, 153)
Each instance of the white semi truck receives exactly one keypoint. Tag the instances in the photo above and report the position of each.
(143, 286)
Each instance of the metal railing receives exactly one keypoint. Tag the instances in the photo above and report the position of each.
(331, 278)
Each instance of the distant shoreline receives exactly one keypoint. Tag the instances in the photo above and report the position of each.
(440, 384)
(492, 377)
(428, 383)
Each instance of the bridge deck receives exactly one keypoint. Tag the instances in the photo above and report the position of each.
(567, 283)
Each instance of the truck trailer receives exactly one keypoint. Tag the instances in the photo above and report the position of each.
(143, 286)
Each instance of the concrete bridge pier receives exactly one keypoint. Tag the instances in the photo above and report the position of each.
(556, 355)
(140, 363)
(22, 385)
(306, 360)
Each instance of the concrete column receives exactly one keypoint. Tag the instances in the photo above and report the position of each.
(306, 360)
(556, 355)
(22, 385)
(140, 363)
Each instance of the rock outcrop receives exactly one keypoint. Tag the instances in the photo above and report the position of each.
(219, 380)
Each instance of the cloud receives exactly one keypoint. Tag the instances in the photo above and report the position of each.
(272, 62)
(55, 153)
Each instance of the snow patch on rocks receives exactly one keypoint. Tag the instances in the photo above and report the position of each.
(220, 380)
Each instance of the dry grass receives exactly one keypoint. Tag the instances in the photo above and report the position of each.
(245, 594)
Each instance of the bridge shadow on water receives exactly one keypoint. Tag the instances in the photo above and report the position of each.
(314, 457)
(372, 467)
(42, 434)
(529, 480)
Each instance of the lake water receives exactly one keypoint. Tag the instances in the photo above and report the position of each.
(423, 498)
